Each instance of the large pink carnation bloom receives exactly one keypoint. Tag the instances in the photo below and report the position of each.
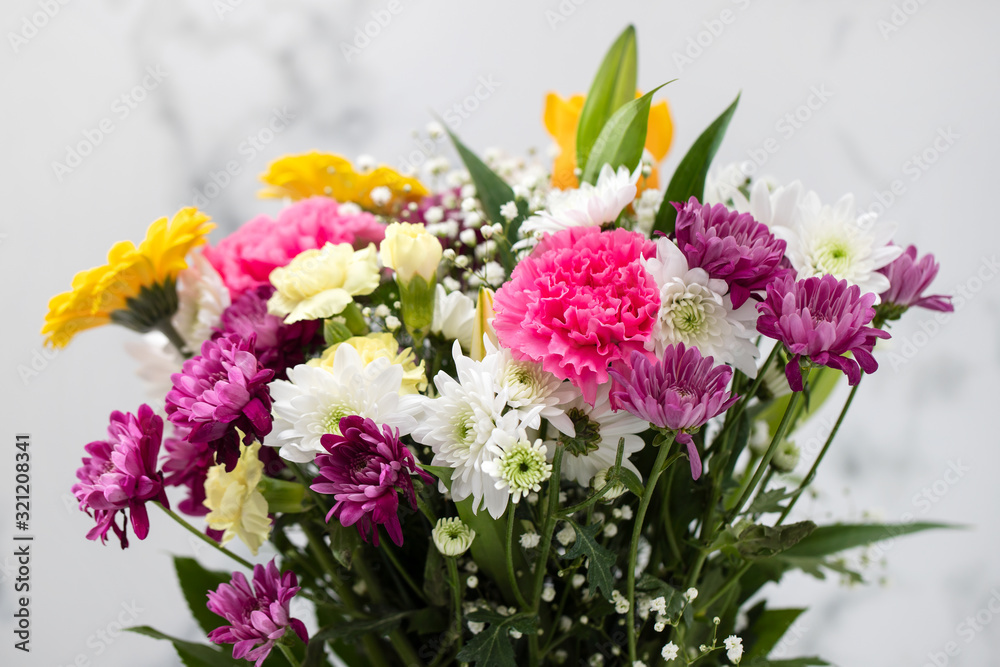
(581, 301)
(246, 257)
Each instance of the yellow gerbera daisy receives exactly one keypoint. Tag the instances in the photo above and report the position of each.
(561, 118)
(136, 288)
(324, 174)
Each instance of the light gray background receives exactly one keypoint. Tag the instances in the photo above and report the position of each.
(226, 73)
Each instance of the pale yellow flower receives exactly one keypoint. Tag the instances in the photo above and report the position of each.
(321, 282)
(381, 345)
(410, 250)
(237, 507)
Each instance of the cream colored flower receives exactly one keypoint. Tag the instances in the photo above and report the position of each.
(321, 282)
(410, 250)
(237, 507)
(376, 346)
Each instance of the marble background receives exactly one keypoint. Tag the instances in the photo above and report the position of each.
(895, 76)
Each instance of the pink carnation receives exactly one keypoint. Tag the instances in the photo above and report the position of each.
(579, 302)
(246, 257)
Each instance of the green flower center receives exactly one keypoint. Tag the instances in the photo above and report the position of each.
(588, 434)
(524, 468)
(688, 316)
(833, 256)
(465, 427)
(332, 422)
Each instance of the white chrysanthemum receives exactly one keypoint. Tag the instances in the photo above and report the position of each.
(835, 240)
(697, 311)
(723, 185)
(454, 314)
(458, 425)
(530, 389)
(158, 360)
(201, 298)
(313, 400)
(452, 537)
(519, 464)
(586, 206)
(592, 444)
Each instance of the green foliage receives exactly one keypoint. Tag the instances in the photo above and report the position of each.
(765, 541)
(492, 647)
(190, 653)
(767, 627)
(828, 540)
(622, 139)
(601, 560)
(195, 583)
(614, 85)
(689, 179)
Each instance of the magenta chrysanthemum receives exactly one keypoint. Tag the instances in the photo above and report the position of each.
(822, 319)
(186, 464)
(246, 257)
(908, 278)
(278, 346)
(731, 246)
(363, 470)
(258, 616)
(121, 475)
(222, 390)
(581, 301)
(680, 392)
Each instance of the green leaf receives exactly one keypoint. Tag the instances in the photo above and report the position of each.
(689, 179)
(622, 139)
(283, 496)
(493, 192)
(613, 86)
(821, 384)
(492, 647)
(655, 588)
(769, 501)
(435, 581)
(827, 540)
(195, 583)
(191, 654)
(599, 576)
(765, 541)
(335, 331)
(769, 628)
(441, 472)
(343, 541)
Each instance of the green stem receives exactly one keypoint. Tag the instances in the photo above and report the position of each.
(737, 410)
(166, 327)
(289, 656)
(456, 593)
(203, 537)
(548, 528)
(733, 578)
(396, 637)
(812, 471)
(647, 496)
(668, 524)
(403, 573)
(523, 603)
(786, 420)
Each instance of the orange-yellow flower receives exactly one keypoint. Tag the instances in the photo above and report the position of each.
(561, 118)
(135, 288)
(310, 174)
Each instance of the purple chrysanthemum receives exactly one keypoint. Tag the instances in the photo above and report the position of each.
(258, 616)
(186, 464)
(680, 392)
(363, 470)
(822, 319)
(908, 278)
(279, 346)
(222, 390)
(121, 475)
(731, 246)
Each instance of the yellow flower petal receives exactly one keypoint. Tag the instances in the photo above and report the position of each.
(237, 507)
(376, 346)
(320, 282)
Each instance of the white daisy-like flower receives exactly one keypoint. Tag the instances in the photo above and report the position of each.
(454, 316)
(592, 444)
(697, 311)
(734, 648)
(835, 240)
(311, 403)
(519, 464)
(459, 425)
(586, 206)
(201, 298)
(530, 389)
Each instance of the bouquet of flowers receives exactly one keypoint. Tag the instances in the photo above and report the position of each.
(510, 413)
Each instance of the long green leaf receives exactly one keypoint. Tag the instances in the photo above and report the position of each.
(622, 138)
(614, 85)
(191, 654)
(759, 541)
(195, 583)
(769, 628)
(827, 540)
(689, 179)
